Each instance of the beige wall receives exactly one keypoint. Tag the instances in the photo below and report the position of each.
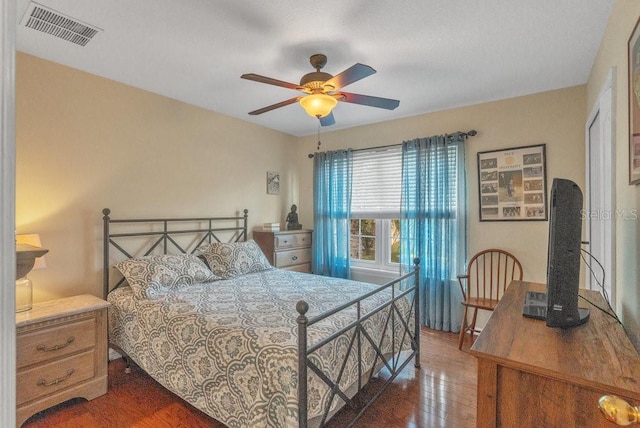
(84, 143)
(613, 53)
(553, 118)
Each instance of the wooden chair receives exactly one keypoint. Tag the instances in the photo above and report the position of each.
(488, 274)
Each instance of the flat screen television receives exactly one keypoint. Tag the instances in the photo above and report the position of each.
(559, 305)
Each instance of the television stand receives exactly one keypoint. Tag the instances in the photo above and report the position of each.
(533, 375)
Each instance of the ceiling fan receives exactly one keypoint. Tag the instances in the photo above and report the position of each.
(323, 91)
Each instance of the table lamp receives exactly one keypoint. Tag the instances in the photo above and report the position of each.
(28, 256)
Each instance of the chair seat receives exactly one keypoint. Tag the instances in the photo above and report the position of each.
(481, 303)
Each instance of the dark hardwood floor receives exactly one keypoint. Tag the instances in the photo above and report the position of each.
(442, 393)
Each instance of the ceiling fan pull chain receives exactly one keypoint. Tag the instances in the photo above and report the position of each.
(318, 148)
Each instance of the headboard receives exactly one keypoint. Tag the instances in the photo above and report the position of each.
(145, 236)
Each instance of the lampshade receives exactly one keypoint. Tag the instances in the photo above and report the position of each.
(29, 255)
(318, 105)
(34, 240)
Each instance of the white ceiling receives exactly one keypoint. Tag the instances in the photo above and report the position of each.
(429, 54)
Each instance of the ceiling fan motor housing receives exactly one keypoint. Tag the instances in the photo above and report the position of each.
(315, 80)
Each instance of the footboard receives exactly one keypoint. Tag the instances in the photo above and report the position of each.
(394, 363)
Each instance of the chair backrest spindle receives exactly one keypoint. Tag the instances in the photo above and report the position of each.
(488, 275)
(490, 272)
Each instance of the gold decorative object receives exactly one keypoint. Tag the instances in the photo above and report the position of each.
(618, 410)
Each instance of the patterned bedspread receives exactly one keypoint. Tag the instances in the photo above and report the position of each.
(230, 347)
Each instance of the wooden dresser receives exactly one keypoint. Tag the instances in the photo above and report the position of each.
(532, 375)
(289, 249)
(61, 353)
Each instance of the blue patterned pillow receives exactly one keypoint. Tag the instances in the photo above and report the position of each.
(153, 276)
(231, 259)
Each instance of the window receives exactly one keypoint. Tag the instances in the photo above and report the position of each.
(375, 209)
(363, 239)
(394, 240)
(375, 243)
(375, 205)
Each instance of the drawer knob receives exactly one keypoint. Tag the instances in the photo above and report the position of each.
(294, 258)
(56, 381)
(45, 348)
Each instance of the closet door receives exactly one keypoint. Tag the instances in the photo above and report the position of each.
(600, 213)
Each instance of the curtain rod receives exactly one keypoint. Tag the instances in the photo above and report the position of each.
(470, 133)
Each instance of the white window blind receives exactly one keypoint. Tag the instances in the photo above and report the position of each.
(377, 176)
(375, 189)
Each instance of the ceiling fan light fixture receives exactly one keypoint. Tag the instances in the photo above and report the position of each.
(318, 105)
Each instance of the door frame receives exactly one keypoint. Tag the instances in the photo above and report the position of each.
(603, 109)
(7, 215)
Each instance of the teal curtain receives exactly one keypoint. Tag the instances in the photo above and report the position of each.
(332, 173)
(433, 224)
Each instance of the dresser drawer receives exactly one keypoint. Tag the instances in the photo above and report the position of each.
(49, 378)
(55, 341)
(284, 241)
(303, 239)
(305, 267)
(291, 240)
(292, 257)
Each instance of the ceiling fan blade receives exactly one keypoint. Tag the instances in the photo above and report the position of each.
(274, 106)
(368, 100)
(352, 74)
(271, 81)
(328, 120)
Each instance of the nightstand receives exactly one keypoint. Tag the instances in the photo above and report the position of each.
(61, 353)
(288, 249)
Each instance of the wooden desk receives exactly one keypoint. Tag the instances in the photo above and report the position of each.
(530, 375)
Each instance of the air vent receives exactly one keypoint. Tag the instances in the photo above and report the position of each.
(52, 22)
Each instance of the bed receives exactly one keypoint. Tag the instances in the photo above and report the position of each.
(195, 305)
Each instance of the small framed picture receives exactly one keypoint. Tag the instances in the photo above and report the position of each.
(513, 184)
(273, 183)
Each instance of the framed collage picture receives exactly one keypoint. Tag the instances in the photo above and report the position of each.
(633, 51)
(513, 184)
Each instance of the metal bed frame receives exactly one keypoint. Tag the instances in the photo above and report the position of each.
(161, 232)
(395, 364)
(169, 227)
